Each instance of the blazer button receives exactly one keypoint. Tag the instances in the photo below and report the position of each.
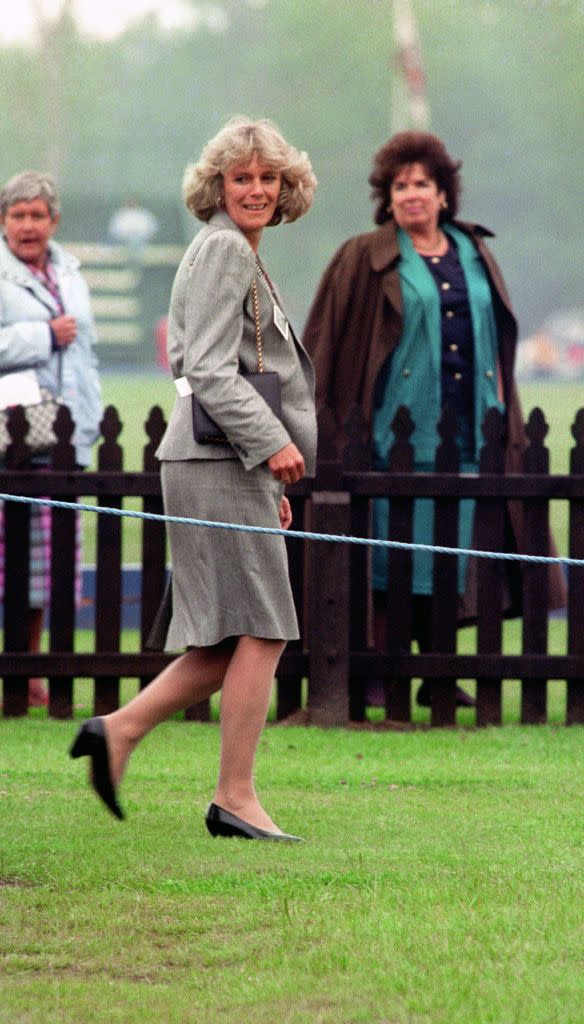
(407, 373)
(489, 374)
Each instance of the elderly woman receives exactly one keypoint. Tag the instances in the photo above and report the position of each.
(416, 313)
(231, 598)
(46, 326)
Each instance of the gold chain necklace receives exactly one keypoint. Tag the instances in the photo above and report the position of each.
(438, 249)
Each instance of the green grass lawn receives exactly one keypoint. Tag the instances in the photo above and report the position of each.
(440, 882)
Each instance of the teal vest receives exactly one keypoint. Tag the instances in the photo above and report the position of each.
(412, 375)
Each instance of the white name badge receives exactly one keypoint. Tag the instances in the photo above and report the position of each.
(281, 323)
(183, 387)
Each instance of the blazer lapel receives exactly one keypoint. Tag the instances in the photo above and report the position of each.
(384, 258)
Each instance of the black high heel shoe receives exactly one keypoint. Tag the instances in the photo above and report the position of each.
(223, 823)
(91, 742)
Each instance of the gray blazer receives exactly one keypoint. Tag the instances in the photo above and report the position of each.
(211, 337)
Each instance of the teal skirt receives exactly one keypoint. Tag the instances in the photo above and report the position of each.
(423, 533)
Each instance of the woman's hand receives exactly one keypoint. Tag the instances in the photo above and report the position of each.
(287, 465)
(285, 513)
(65, 330)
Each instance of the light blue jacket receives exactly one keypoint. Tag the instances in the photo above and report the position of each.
(26, 307)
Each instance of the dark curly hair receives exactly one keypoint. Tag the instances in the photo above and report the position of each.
(414, 148)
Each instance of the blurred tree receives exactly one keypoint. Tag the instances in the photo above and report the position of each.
(53, 35)
(504, 82)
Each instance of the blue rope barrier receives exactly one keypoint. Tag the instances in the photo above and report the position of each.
(330, 538)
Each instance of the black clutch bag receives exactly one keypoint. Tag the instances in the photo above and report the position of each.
(266, 383)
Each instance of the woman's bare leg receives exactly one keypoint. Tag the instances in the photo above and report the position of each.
(37, 693)
(245, 700)
(189, 679)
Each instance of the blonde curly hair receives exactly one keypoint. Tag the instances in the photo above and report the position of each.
(238, 142)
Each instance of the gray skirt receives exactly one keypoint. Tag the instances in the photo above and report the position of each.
(225, 582)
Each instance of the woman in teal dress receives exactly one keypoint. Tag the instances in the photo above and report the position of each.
(416, 313)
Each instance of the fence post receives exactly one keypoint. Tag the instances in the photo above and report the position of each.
(153, 575)
(108, 583)
(16, 567)
(16, 587)
(289, 688)
(445, 576)
(490, 532)
(357, 457)
(328, 698)
(398, 637)
(63, 539)
(575, 703)
(535, 577)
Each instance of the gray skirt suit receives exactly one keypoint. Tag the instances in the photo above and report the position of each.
(229, 583)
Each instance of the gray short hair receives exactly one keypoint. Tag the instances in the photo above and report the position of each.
(238, 142)
(29, 185)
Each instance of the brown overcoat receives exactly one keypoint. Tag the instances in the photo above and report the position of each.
(355, 323)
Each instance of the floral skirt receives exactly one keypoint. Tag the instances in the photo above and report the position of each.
(39, 587)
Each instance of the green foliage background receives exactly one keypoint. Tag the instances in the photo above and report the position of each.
(505, 85)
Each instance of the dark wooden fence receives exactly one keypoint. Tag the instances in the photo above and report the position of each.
(329, 581)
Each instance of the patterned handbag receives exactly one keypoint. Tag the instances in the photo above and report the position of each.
(41, 417)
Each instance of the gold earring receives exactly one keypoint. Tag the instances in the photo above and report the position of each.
(443, 205)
